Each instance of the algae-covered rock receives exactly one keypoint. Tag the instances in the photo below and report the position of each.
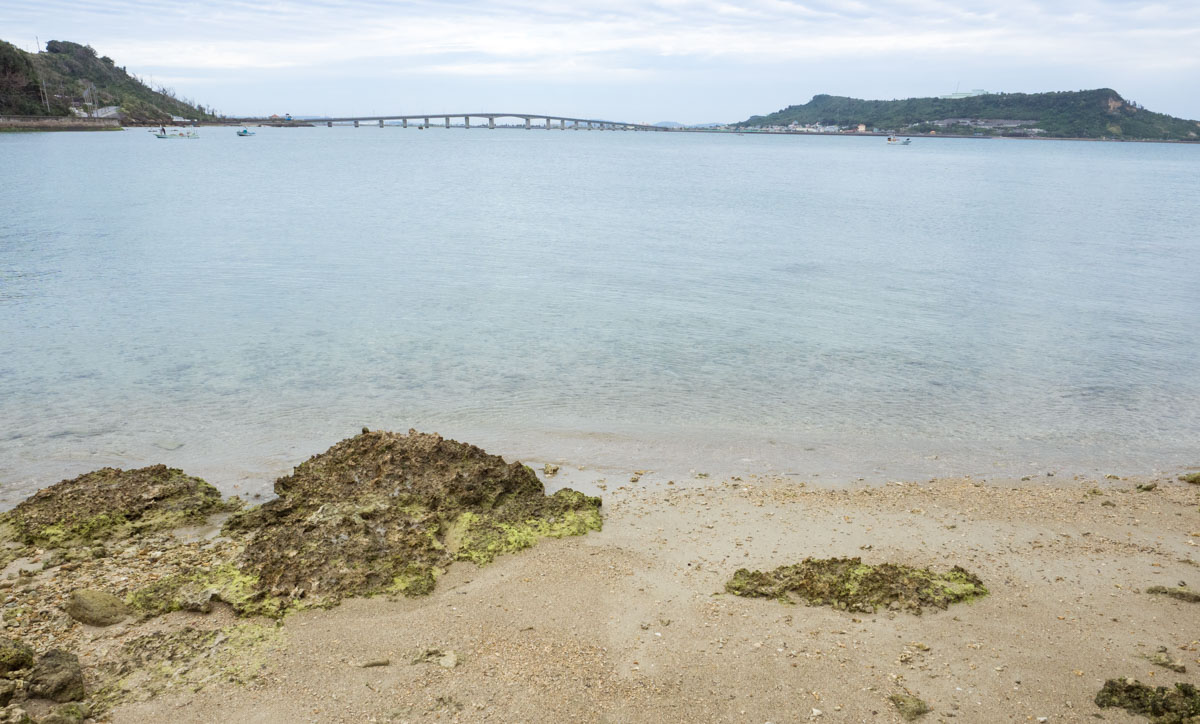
(57, 676)
(910, 707)
(113, 503)
(14, 655)
(1193, 478)
(851, 585)
(1178, 705)
(96, 608)
(1182, 593)
(385, 513)
(73, 713)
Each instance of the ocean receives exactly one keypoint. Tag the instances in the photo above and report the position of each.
(823, 307)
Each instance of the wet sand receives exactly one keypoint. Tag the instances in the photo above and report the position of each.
(631, 624)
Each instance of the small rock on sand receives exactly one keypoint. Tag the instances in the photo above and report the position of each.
(909, 706)
(96, 608)
(374, 663)
(14, 655)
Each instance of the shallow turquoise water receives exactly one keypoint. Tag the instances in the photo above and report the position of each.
(670, 301)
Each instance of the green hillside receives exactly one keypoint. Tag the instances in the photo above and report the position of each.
(1100, 113)
(70, 75)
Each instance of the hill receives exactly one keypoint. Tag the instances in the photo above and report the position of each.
(1100, 113)
(69, 75)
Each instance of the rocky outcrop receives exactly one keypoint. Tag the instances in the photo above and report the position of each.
(377, 513)
(113, 503)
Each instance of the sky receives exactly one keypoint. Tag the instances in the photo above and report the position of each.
(691, 61)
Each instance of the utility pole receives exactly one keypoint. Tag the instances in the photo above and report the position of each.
(42, 81)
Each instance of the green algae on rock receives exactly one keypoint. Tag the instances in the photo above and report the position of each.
(851, 585)
(1178, 705)
(197, 590)
(480, 538)
(383, 512)
(111, 503)
(1193, 478)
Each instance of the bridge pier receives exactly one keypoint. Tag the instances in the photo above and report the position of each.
(427, 123)
(404, 123)
(491, 122)
(526, 124)
(356, 124)
(329, 124)
(547, 124)
(447, 121)
(381, 123)
(467, 121)
(562, 124)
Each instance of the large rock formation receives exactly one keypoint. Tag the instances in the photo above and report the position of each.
(384, 512)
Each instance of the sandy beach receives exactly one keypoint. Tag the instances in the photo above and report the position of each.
(632, 624)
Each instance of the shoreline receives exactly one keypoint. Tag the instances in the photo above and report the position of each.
(824, 459)
(87, 125)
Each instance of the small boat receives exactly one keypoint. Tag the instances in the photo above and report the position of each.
(894, 141)
(245, 132)
(177, 134)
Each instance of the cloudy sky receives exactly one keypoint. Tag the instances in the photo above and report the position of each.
(654, 60)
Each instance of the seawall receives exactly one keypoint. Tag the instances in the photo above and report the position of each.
(57, 123)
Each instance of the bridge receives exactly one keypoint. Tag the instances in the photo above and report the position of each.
(423, 120)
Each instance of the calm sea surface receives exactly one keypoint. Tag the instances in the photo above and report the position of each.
(813, 305)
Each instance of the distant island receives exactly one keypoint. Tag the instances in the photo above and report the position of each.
(71, 80)
(1094, 114)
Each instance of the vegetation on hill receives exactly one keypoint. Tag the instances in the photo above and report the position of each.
(69, 75)
(20, 93)
(1100, 113)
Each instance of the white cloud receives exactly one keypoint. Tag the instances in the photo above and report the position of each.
(619, 41)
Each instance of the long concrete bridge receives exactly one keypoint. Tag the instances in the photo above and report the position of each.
(426, 120)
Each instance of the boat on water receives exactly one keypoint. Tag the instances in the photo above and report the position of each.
(245, 132)
(895, 141)
(176, 134)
